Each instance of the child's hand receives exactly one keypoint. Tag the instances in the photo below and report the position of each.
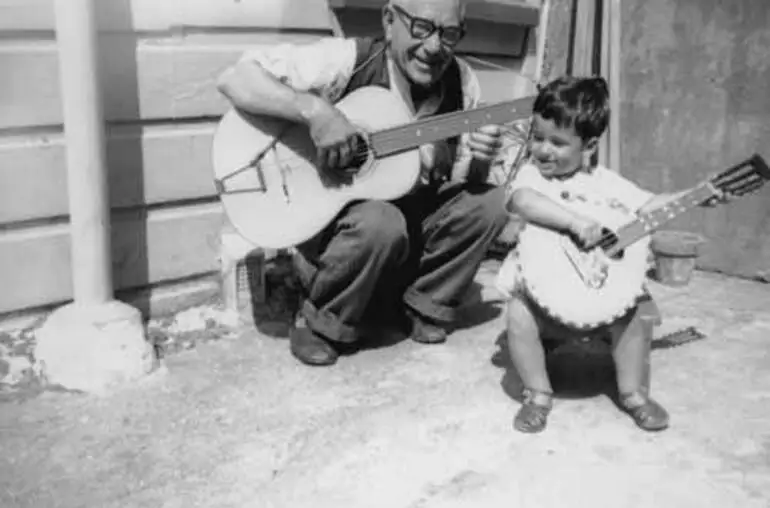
(588, 231)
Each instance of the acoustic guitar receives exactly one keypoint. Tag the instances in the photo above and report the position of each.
(587, 288)
(275, 196)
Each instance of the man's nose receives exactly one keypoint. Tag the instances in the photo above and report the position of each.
(432, 43)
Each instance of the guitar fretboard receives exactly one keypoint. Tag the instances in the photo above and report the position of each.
(397, 139)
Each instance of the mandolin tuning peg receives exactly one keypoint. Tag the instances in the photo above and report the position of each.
(747, 188)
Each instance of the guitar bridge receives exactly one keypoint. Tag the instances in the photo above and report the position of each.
(219, 183)
(255, 163)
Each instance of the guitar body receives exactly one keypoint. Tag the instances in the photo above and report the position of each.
(282, 200)
(547, 264)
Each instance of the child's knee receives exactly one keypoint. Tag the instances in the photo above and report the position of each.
(630, 328)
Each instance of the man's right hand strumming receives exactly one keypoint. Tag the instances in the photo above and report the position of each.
(337, 140)
(252, 88)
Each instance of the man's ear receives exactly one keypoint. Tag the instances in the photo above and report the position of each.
(387, 21)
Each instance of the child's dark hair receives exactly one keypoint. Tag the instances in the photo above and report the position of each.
(579, 102)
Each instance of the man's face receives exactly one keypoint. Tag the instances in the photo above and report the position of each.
(422, 35)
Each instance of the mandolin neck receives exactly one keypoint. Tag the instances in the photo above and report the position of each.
(648, 222)
(406, 137)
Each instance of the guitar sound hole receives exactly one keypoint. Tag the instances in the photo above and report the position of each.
(361, 152)
(345, 175)
(609, 241)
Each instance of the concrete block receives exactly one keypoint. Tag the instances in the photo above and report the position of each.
(94, 349)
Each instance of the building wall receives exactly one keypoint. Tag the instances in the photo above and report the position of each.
(160, 60)
(695, 101)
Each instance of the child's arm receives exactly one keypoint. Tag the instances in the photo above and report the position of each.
(537, 208)
(528, 197)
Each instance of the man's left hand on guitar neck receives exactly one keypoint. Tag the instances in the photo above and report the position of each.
(484, 146)
(485, 143)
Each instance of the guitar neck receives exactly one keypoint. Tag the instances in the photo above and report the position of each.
(412, 135)
(650, 221)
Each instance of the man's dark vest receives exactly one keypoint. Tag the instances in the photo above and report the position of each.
(371, 69)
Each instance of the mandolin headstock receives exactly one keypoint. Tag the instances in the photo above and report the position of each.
(743, 178)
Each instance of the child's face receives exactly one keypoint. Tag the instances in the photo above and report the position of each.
(557, 151)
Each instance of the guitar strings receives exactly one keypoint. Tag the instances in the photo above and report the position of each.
(384, 134)
(359, 152)
(296, 162)
(394, 135)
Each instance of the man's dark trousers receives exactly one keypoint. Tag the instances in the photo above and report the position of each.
(423, 249)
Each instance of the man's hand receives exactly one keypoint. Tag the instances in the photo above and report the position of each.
(338, 142)
(485, 143)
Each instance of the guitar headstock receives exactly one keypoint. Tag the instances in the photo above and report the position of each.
(743, 178)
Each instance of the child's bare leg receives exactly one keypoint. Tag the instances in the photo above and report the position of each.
(631, 353)
(528, 357)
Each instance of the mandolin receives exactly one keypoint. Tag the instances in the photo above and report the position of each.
(587, 288)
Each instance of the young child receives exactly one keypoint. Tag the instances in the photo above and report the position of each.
(569, 116)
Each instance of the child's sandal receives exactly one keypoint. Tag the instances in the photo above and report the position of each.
(532, 417)
(648, 415)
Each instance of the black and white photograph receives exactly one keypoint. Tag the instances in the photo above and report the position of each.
(384, 253)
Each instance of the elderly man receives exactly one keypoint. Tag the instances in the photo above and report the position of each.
(421, 251)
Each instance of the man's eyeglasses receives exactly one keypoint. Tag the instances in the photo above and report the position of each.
(421, 28)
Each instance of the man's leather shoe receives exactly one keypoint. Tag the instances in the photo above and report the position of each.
(311, 349)
(426, 332)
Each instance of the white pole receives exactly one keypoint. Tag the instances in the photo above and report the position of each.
(97, 342)
(84, 135)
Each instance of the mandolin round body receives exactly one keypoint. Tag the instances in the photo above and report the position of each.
(551, 279)
(282, 200)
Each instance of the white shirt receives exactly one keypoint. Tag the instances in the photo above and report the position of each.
(598, 185)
